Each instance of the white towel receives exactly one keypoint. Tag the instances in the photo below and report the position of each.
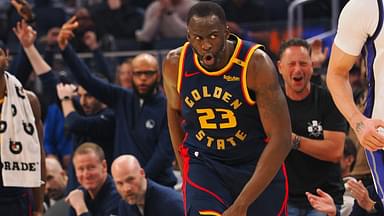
(20, 146)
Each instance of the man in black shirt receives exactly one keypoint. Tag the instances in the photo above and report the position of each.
(318, 131)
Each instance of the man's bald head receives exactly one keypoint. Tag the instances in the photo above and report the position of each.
(145, 59)
(52, 164)
(125, 162)
(56, 180)
(130, 179)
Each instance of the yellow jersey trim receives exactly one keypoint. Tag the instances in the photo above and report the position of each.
(220, 72)
(244, 85)
(209, 212)
(181, 66)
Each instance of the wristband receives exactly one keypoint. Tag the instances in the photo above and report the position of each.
(66, 98)
(372, 210)
(296, 142)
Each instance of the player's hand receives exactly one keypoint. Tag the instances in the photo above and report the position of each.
(24, 9)
(24, 33)
(318, 54)
(322, 202)
(366, 131)
(66, 32)
(235, 210)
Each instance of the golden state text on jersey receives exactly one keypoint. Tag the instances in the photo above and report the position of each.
(220, 112)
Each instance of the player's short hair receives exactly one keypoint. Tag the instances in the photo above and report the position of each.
(294, 42)
(207, 8)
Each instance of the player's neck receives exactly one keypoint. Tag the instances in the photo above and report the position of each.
(228, 52)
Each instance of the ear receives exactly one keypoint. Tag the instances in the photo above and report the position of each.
(104, 165)
(279, 66)
(63, 173)
(188, 37)
(142, 172)
(227, 32)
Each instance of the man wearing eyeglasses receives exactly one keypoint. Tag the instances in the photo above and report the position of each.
(141, 121)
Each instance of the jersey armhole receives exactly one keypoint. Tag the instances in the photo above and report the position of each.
(244, 86)
(181, 67)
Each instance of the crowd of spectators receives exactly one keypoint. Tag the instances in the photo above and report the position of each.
(116, 106)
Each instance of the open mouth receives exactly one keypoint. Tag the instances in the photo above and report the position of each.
(208, 59)
(297, 79)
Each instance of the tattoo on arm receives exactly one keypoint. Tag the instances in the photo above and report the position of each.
(359, 127)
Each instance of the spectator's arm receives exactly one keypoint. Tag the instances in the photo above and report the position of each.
(103, 91)
(151, 22)
(90, 126)
(174, 20)
(21, 67)
(49, 82)
(330, 149)
(90, 40)
(27, 37)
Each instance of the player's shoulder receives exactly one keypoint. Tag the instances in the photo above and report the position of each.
(174, 55)
(259, 54)
(259, 59)
(171, 62)
(358, 7)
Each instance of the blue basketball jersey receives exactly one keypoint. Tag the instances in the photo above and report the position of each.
(220, 112)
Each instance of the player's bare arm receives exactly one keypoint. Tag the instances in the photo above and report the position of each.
(170, 75)
(338, 83)
(38, 193)
(272, 105)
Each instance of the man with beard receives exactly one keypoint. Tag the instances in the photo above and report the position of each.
(236, 131)
(141, 121)
(142, 196)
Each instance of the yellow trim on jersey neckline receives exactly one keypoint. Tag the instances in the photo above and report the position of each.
(244, 75)
(232, 60)
(181, 66)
